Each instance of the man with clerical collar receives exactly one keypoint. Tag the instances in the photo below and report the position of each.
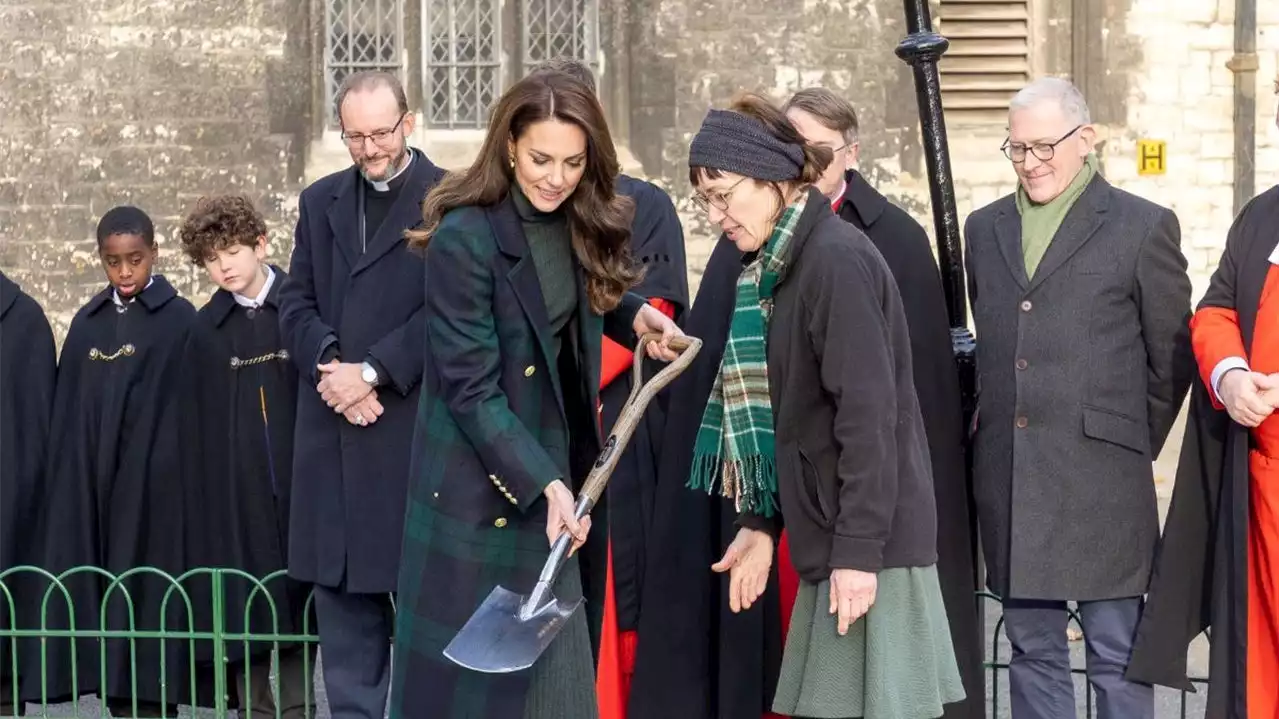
(1080, 301)
(351, 317)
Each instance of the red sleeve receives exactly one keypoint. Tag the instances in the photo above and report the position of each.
(616, 359)
(1215, 336)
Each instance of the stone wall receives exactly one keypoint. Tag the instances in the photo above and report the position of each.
(1178, 89)
(1157, 69)
(155, 102)
(689, 56)
(146, 102)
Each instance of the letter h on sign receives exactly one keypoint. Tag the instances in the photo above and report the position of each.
(1151, 157)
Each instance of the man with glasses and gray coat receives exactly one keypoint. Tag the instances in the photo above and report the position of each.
(1080, 294)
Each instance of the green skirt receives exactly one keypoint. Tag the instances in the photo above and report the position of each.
(562, 681)
(896, 662)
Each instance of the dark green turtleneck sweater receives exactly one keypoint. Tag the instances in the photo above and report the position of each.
(551, 247)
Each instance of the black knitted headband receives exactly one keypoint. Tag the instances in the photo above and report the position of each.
(733, 142)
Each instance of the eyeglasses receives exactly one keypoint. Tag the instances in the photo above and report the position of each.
(356, 139)
(718, 200)
(1017, 152)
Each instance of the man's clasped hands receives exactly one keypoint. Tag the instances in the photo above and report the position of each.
(1250, 397)
(345, 391)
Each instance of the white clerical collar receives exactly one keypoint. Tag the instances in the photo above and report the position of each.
(262, 294)
(385, 185)
(844, 187)
(1275, 255)
(115, 294)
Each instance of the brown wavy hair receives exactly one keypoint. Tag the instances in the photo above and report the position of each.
(217, 223)
(599, 220)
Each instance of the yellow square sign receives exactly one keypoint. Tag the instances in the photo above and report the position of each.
(1151, 155)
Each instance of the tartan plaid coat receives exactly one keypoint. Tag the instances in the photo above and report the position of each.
(499, 418)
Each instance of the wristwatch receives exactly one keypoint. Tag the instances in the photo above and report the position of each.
(369, 374)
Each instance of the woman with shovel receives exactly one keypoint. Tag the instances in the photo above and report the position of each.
(812, 421)
(527, 269)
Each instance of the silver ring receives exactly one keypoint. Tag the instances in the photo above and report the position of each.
(360, 419)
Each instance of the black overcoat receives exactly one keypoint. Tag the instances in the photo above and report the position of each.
(695, 658)
(905, 248)
(28, 366)
(350, 481)
(499, 419)
(657, 244)
(1201, 575)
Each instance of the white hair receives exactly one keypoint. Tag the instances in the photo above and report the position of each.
(1053, 89)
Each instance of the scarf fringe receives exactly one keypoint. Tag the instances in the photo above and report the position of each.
(752, 483)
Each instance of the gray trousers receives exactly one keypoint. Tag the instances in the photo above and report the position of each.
(1040, 685)
(355, 645)
(295, 685)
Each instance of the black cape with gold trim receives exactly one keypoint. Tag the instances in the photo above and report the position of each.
(114, 497)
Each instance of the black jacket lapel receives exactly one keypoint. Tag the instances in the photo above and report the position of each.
(343, 216)
(406, 212)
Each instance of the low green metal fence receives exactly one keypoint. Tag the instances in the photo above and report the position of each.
(210, 668)
(996, 666)
(207, 667)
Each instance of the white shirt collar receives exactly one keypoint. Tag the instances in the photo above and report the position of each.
(844, 187)
(115, 294)
(1275, 255)
(384, 185)
(262, 294)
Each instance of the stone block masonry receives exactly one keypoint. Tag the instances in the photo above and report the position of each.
(156, 102)
(1165, 78)
(1180, 91)
(146, 102)
(689, 56)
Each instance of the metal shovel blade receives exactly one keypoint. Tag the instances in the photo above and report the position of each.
(497, 640)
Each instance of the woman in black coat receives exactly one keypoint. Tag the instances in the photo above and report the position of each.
(813, 421)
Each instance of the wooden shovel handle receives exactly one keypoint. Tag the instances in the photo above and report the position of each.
(632, 412)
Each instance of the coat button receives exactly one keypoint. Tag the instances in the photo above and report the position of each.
(528, 371)
(1026, 305)
(500, 522)
(1021, 423)
(1020, 364)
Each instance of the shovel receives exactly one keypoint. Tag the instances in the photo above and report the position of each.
(510, 631)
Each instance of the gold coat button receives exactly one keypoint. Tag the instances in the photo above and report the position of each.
(500, 522)
(528, 371)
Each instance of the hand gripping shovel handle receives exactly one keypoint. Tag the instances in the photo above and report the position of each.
(631, 414)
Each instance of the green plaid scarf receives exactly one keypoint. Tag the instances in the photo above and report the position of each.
(735, 440)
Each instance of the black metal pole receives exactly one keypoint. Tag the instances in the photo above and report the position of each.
(921, 49)
(1244, 68)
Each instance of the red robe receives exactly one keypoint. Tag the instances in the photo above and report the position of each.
(1217, 562)
(1215, 337)
(617, 649)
